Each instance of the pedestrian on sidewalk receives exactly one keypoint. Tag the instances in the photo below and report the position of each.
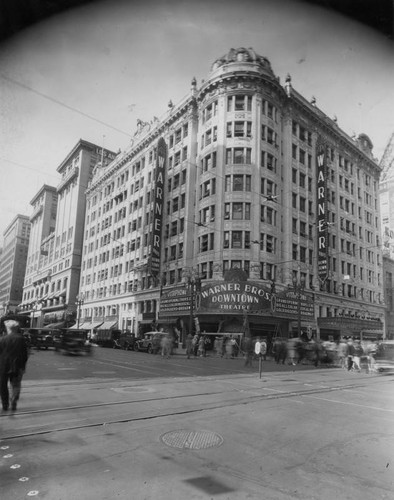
(189, 345)
(165, 346)
(13, 359)
(201, 347)
(249, 350)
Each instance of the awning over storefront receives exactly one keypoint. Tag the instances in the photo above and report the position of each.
(93, 325)
(108, 325)
(82, 325)
(55, 326)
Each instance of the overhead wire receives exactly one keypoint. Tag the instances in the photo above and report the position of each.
(60, 103)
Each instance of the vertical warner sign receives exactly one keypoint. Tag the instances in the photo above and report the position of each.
(322, 226)
(158, 203)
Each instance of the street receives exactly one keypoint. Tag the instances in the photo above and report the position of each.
(107, 363)
(143, 427)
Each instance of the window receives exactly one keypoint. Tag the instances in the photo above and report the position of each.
(237, 211)
(238, 156)
(236, 239)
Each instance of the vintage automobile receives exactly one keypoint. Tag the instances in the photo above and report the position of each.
(39, 338)
(73, 341)
(150, 342)
(125, 341)
(384, 356)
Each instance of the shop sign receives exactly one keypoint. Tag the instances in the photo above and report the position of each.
(289, 304)
(234, 296)
(321, 203)
(175, 302)
(158, 203)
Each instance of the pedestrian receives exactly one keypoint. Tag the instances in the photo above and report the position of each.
(224, 348)
(189, 345)
(351, 352)
(358, 353)
(195, 344)
(292, 351)
(234, 347)
(165, 346)
(249, 350)
(201, 347)
(13, 359)
(342, 354)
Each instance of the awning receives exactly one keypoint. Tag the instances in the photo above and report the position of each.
(93, 325)
(108, 325)
(55, 326)
(82, 325)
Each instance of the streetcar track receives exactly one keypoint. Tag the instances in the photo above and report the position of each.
(207, 407)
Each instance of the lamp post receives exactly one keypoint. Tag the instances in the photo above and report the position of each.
(298, 287)
(80, 299)
(36, 307)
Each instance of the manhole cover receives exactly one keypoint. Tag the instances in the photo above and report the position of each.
(193, 440)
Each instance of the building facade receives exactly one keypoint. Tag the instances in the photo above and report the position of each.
(43, 221)
(52, 278)
(13, 263)
(245, 208)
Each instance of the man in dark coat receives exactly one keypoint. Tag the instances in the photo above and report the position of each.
(13, 358)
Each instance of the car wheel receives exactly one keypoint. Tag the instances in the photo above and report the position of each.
(150, 349)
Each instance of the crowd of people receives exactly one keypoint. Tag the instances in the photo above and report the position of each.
(350, 354)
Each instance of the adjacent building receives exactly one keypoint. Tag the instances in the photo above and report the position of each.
(54, 262)
(244, 209)
(13, 263)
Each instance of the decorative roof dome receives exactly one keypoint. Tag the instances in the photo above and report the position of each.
(242, 55)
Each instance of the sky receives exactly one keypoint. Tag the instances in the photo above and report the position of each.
(91, 72)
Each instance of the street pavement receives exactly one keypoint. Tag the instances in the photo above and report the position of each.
(309, 434)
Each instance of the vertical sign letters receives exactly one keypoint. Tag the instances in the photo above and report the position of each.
(321, 203)
(154, 259)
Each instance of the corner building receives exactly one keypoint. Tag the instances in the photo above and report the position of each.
(262, 214)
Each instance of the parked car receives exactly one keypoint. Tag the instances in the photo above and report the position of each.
(125, 341)
(39, 338)
(73, 342)
(151, 342)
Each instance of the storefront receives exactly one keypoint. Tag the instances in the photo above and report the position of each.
(335, 328)
(237, 306)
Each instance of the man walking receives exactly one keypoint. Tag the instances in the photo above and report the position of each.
(13, 359)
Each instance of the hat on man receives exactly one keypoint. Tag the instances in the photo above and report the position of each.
(11, 325)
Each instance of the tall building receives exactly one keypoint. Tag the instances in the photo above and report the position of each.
(386, 188)
(52, 278)
(42, 220)
(13, 263)
(245, 208)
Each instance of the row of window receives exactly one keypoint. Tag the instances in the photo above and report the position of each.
(240, 102)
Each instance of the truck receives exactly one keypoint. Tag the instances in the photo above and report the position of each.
(106, 338)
